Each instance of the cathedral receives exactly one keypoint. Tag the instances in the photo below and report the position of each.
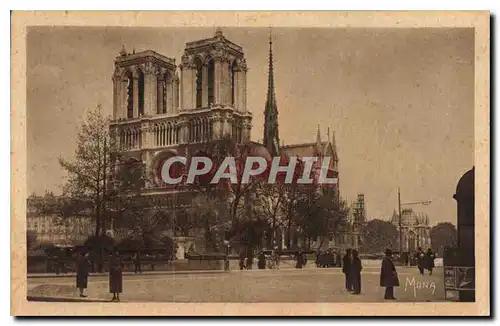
(415, 229)
(161, 110)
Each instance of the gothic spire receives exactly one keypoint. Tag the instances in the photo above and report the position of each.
(271, 135)
(334, 147)
(318, 140)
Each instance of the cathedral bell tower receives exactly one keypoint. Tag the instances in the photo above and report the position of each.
(214, 85)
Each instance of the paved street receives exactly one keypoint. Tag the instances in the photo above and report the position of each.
(308, 285)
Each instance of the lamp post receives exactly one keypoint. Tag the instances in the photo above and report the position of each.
(421, 202)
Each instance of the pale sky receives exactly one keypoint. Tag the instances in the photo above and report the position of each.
(401, 101)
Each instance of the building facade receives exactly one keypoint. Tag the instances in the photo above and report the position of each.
(157, 114)
(49, 226)
(416, 231)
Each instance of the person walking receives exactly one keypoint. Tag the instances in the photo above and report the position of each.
(82, 272)
(388, 276)
(429, 260)
(115, 275)
(300, 258)
(346, 268)
(137, 262)
(355, 273)
(261, 263)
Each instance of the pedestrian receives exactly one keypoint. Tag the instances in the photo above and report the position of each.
(419, 256)
(226, 256)
(300, 258)
(388, 276)
(261, 264)
(429, 260)
(250, 259)
(275, 258)
(346, 268)
(82, 272)
(115, 275)
(137, 262)
(355, 273)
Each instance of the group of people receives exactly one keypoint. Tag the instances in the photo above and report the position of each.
(425, 260)
(272, 263)
(328, 259)
(351, 267)
(83, 267)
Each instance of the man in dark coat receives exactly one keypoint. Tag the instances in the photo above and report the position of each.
(388, 276)
(346, 268)
(419, 256)
(261, 264)
(329, 260)
(300, 258)
(429, 260)
(115, 275)
(82, 273)
(355, 273)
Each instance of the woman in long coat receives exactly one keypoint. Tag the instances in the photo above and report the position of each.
(82, 273)
(388, 276)
(115, 275)
(301, 259)
(346, 268)
(355, 273)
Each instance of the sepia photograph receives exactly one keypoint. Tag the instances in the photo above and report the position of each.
(323, 161)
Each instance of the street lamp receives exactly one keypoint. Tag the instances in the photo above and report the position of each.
(421, 202)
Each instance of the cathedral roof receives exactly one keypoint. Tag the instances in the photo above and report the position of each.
(306, 149)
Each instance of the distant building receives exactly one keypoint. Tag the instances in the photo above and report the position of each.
(45, 219)
(416, 231)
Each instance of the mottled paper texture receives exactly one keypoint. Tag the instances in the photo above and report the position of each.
(40, 137)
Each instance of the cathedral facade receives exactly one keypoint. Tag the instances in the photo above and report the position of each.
(161, 109)
(158, 114)
(415, 229)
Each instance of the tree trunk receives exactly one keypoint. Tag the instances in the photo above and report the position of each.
(97, 220)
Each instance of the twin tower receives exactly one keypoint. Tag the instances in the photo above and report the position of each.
(154, 107)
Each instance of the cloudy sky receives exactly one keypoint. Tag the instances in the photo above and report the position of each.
(400, 100)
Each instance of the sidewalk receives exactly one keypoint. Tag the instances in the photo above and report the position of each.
(214, 271)
(63, 299)
(73, 274)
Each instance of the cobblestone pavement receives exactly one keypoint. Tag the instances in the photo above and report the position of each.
(307, 285)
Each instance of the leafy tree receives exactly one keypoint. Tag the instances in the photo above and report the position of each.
(90, 171)
(379, 235)
(320, 211)
(98, 179)
(443, 235)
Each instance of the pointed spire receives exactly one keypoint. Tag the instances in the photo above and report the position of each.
(328, 134)
(218, 32)
(334, 147)
(123, 52)
(271, 135)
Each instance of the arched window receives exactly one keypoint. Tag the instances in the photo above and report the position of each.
(232, 75)
(130, 95)
(141, 92)
(199, 83)
(166, 81)
(211, 81)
